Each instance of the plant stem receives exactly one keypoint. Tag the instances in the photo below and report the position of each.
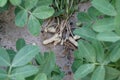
(9, 72)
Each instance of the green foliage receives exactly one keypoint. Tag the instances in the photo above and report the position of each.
(20, 67)
(101, 42)
(21, 18)
(87, 51)
(101, 6)
(98, 53)
(20, 43)
(30, 13)
(83, 70)
(2, 2)
(104, 25)
(99, 73)
(41, 76)
(15, 2)
(33, 25)
(25, 55)
(4, 58)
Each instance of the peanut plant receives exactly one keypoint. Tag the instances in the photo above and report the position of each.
(95, 41)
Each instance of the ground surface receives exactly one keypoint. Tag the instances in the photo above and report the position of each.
(9, 33)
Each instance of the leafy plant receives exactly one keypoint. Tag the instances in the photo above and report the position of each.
(17, 65)
(98, 48)
(99, 51)
(30, 13)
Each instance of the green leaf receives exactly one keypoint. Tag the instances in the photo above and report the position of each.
(117, 23)
(99, 73)
(20, 78)
(113, 45)
(45, 2)
(87, 51)
(4, 8)
(11, 53)
(29, 4)
(115, 53)
(107, 60)
(25, 55)
(49, 61)
(3, 74)
(118, 78)
(77, 54)
(86, 33)
(83, 71)
(108, 36)
(43, 12)
(94, 13)
(117, 5)
(34, 25)
(20, 44)
(2, 2)
(99, 50)
(101, 6)
(103, 25)
(111, 73)
(41, 76)
(84, 17)
(76, 64)
(21, 18)
(15, 2)
(4, 58)
(24, 71)
(39, 58)
(31, 77)
(86, 78)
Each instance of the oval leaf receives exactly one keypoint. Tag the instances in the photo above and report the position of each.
(20, 44)
(117, 5)
(104, 25)
(94, 13)
(11, 53)
(99, 51)
(85, 33)
(87, 51)
(101, 6)
(25, 55)
(39, 58)
(41, 76)
(2, 2)
(3, 74)
(115, 53)
(4, 58)
(34, 25)
(83, 71)
(29, 4)
(45, 2)
(21, 18)
(25, 71)
(43, 12)
(108, 36)
(111, 73)
(48, 61)
(84, 17)
(15, 2)
(117, 24)
(99, 73)
(20, 78)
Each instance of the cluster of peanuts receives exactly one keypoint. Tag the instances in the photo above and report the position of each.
(62, 33)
